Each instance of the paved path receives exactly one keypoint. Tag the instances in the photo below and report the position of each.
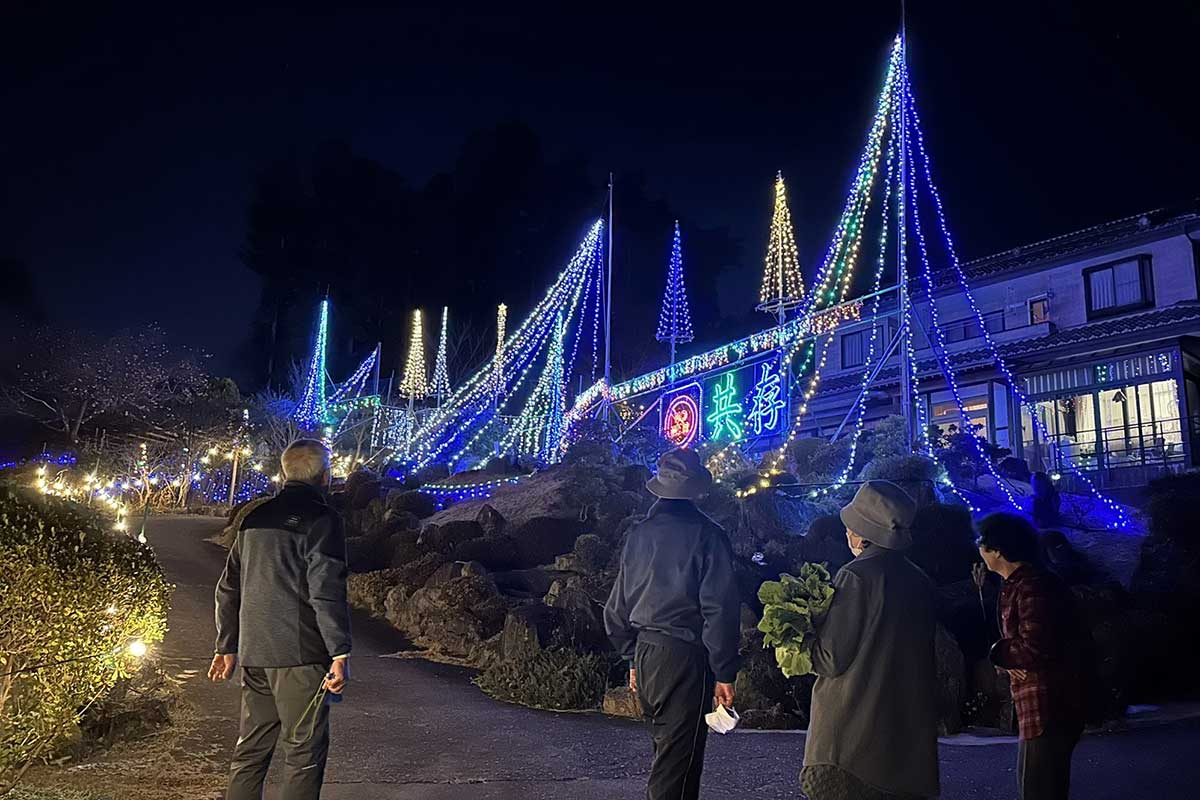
(411, 730)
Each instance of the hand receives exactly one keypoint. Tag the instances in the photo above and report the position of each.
(979, 574)
(339, 673)
(723, 694)
(222, 667)
(633, 680)
(1017, 675)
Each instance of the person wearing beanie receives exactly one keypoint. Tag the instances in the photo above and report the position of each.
(674, 614)
(872, 732)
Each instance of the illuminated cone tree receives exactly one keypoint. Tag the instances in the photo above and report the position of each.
(674, 319)
(441, 375)
(782, 284)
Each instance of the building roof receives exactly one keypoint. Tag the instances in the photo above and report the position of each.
(1077, 242)
(1107, 330)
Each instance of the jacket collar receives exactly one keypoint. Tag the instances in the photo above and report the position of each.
(874, 551)
(305, 488)
(664, 505)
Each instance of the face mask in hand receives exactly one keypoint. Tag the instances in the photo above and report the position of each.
(723, 720)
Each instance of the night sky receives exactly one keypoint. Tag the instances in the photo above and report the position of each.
(129, 141)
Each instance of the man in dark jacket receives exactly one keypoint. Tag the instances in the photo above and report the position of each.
(872, 733)
(282, 610)
(1039, 649)
(674, 612)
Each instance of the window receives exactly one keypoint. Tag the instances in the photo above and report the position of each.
(854, 352)
(1039, 310)
(1114, 288)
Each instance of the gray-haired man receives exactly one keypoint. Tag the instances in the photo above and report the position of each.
(282, 610)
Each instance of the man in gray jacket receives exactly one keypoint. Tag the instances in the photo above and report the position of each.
(674, 613)
(872, 734)
(282, 610)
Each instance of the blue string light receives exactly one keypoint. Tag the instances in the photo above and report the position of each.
(674, 319)
(310, 411)
(1123, 520)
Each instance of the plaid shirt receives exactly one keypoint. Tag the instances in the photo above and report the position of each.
(1038, 635)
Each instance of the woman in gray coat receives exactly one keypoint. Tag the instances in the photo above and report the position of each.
(872, 733)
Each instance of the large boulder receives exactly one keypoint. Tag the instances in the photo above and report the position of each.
(590, 555)
(449, 535)
(369, 590)
(540, 539)
(456, 618)
(584, 615)
(537, 626)
(415, 573)
(496, 552)
(621, 702)
(490, 520)
(409, 501)
(369, 553)
(951, 682)
(944, 542)
(765, 698)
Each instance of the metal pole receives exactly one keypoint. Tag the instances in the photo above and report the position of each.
(378, 353)
(608, 290)
(233, 474)
(902, 247)
(867, 386)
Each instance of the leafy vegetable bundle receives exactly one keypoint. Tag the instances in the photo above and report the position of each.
(789, 606)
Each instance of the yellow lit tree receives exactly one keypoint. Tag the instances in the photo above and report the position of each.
(782, 283)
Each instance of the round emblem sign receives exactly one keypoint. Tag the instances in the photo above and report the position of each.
(681, 422)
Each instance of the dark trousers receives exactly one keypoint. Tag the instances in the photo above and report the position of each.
(1044, 766)
(274, 700)
(675, 689)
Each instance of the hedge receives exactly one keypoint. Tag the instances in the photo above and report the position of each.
(73, 592)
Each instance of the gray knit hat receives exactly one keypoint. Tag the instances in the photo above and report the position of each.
(681, 476)
(882, 513)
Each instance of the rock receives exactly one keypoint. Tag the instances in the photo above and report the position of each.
(400, 521)
(992, 704)
(529, 628)
(584, 615)
(444, 574)
(944, 543)
(449, 535)
(405, 553)
(456, 618)
(951, 681)
(416, 573)
(490, 520)
(369, 590)
(410, 501)
(395, 603)
(621, 702)
(364, 492)
(775, 718)
(542, 538)
(590, 554)
(528, 583)
(825, 543)
(494, 552)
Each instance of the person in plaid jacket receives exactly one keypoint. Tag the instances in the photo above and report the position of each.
(1039, 650)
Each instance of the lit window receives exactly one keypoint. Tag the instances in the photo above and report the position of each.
(1039, 310)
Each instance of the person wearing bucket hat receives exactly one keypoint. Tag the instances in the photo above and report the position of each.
(872, 732)
(674, 614)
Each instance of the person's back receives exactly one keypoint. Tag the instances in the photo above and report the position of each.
(873, 723)
(665, 561)
(281, 611)
(673, 613)
(286, 597)
(885, 683)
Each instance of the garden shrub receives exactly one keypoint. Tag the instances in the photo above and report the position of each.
(944, 543)
(72, 591)
(559, 680)
(1173, 510)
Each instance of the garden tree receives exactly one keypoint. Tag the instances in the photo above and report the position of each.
(204, 418)
(343, 222)
(272, 425)
(67, 379)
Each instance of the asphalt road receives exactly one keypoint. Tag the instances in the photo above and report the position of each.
(412, 730)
